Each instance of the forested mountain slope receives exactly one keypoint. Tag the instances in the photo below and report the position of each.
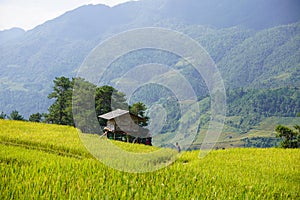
(255, 45)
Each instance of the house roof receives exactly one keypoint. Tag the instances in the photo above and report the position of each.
(134, 130)
(114, 114)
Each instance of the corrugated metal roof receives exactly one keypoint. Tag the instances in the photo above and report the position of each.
(114, 114)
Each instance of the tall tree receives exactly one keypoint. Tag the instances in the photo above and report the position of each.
(60, 112)
(84, 106)
(3, 115)
(291, 138)
(36, 117)
(139, 110)
(14, 115)
(107, 99)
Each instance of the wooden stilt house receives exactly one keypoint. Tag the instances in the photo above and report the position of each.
(123, 126)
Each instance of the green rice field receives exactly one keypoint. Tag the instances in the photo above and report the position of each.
(42, 161)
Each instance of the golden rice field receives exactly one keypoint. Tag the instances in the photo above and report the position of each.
(41, 161)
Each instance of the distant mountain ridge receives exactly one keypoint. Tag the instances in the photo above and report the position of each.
(252, 42)
(11, 34)
(255, 14)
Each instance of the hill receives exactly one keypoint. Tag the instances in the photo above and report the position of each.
(254, 14)
(241, 37)
(48, 161)
(251, 119)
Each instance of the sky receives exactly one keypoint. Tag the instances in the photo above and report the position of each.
(27, 14)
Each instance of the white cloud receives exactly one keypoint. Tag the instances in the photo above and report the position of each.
(27, 14)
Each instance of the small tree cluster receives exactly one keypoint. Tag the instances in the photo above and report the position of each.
(60, 112)
(14, 115)
(105, 99)
(290, 138)
(3, 115)
(37, 117)
(139, 110)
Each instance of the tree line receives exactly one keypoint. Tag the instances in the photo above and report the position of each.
(60, 112)
(14, 115)
(251, 104)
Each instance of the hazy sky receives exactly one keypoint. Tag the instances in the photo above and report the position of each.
(27, 14)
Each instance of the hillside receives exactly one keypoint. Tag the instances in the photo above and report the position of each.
(48, 161)
(239, 54)
(252, 117)
(11, 34)
(243, 39)
(270, 58)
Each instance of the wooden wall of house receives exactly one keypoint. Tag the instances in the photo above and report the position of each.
(126, 123)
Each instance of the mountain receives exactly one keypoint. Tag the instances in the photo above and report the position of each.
(255, 14)
(11, 34)
(270, 58)
(254, 43)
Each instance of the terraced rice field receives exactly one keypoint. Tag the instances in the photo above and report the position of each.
(41, 161)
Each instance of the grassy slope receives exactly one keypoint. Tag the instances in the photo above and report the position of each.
(37, 161)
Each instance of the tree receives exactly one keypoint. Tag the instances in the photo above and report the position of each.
(3, 115)
(139, 110)
(291, 138)
(37, 117)
(107, 99)
(83, 106)
(60, 112)
(14, 115)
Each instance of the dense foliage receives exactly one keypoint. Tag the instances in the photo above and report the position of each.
(36, 117)
(60, 112)
(290, 138)
(139, 109)
(267, 59)
(3, 115)
(15, 115)
(253, 105)
(106, 99)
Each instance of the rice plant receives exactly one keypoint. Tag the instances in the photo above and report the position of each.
(32, 168)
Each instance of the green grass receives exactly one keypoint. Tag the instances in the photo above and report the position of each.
(46, 137)
(38, 161)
